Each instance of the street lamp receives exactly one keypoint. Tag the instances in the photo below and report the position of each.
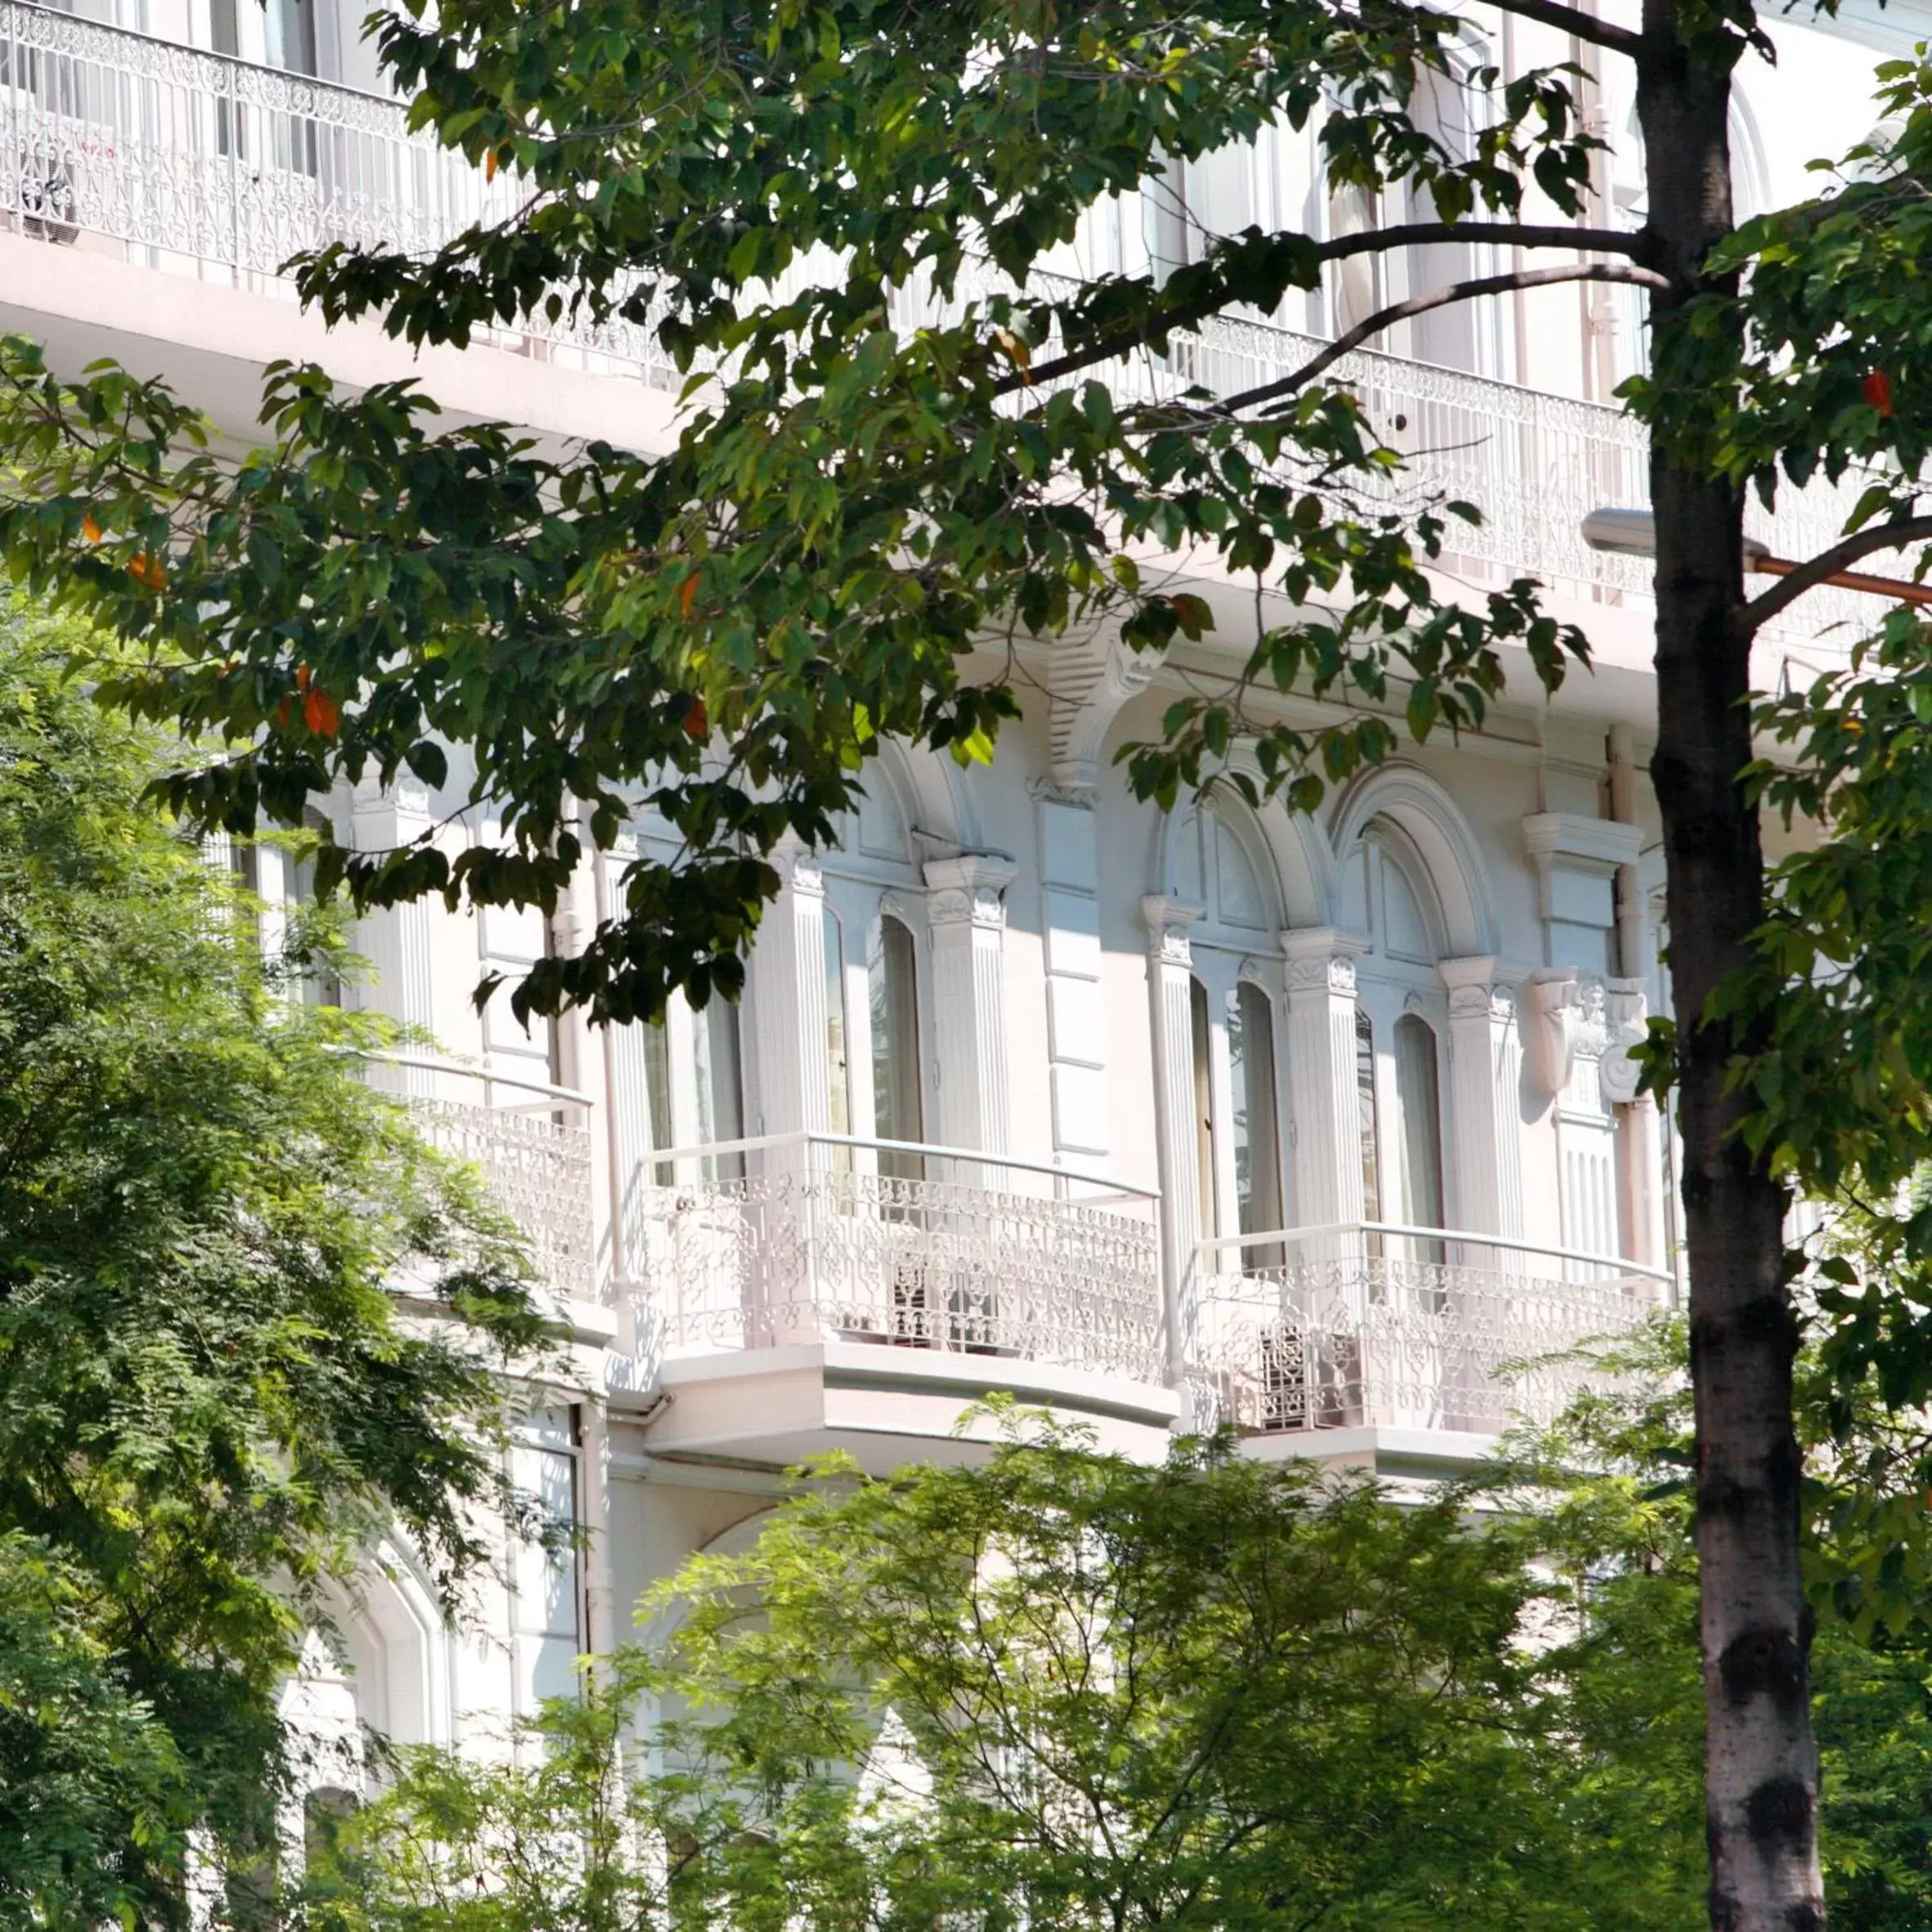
(1634, 533)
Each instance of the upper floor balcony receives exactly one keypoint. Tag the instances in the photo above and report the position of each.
(789, 1290)
(785, 1284)
(1377, 1332)
(184, 159)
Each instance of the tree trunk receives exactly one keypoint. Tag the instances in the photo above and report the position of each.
(1761, 1764)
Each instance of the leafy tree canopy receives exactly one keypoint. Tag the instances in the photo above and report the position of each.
(208, 1397)
(1059, 1689)
(1064, 1689)
(1607, 1486)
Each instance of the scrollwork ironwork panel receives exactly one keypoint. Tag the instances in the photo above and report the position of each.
(538, 1170)
(1366, 1340)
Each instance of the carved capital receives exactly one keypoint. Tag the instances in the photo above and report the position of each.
(1322, 960)
(967, 891)
(1167, 923)
(1568, 1009)
(1481, 988)
(407, 797)
(798, 867)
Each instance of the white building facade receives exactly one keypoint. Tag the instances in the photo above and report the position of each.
(1309, 1125)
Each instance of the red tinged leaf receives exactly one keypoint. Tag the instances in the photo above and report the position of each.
(147, 571)
(696, 721)
(1877, 388)
(89, 529)
(322, 713)
(687, 593)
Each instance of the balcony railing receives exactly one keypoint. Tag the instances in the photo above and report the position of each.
(1376, 1324)
(195, 160)
(809, 1238)
(528, 1140)
(1534, 464)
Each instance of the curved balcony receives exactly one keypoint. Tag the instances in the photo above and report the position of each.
(876, 1265)
(1379, 1325)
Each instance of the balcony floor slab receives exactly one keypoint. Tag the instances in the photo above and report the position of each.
(887, 1404)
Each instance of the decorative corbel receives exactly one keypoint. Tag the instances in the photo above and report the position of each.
(1090, 683)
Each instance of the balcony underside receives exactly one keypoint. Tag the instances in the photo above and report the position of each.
(884, 1404)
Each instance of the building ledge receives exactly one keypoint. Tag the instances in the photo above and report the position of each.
(1395, 1453)
(212, 339)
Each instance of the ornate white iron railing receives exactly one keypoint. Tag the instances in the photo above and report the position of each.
(830, 1238)
(1378, 1325)
(527, 1139)
(195, 160)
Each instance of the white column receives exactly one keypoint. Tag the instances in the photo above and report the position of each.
(1486, 1107)
(1324, 1120)
(1170, 982)
(787, 1002)
(966, 913)
(398, 940)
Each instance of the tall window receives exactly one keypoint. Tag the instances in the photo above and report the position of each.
(1211, 1219)
(1254, 1129)
(657, 1096)
(1418, 1100)
(892, 976)
(837, 1054)
(721, 1090)
(1371, 1139)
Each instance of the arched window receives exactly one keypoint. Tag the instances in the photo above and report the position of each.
(1227, 1121)
(1254, 1129)
(1418, 1101)
(892, 976)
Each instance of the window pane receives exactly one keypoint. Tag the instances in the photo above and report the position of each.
(1365, 1101)
(838, 1065)
(892, 974)
(1418, 1097)
(1211, 1219)
(1256, 1139)
(657, 1096)
(721, 1103)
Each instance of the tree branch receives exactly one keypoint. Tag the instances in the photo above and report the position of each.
(1460, 291)
(1615, 242)
(1827, 564)
(1571, 19)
